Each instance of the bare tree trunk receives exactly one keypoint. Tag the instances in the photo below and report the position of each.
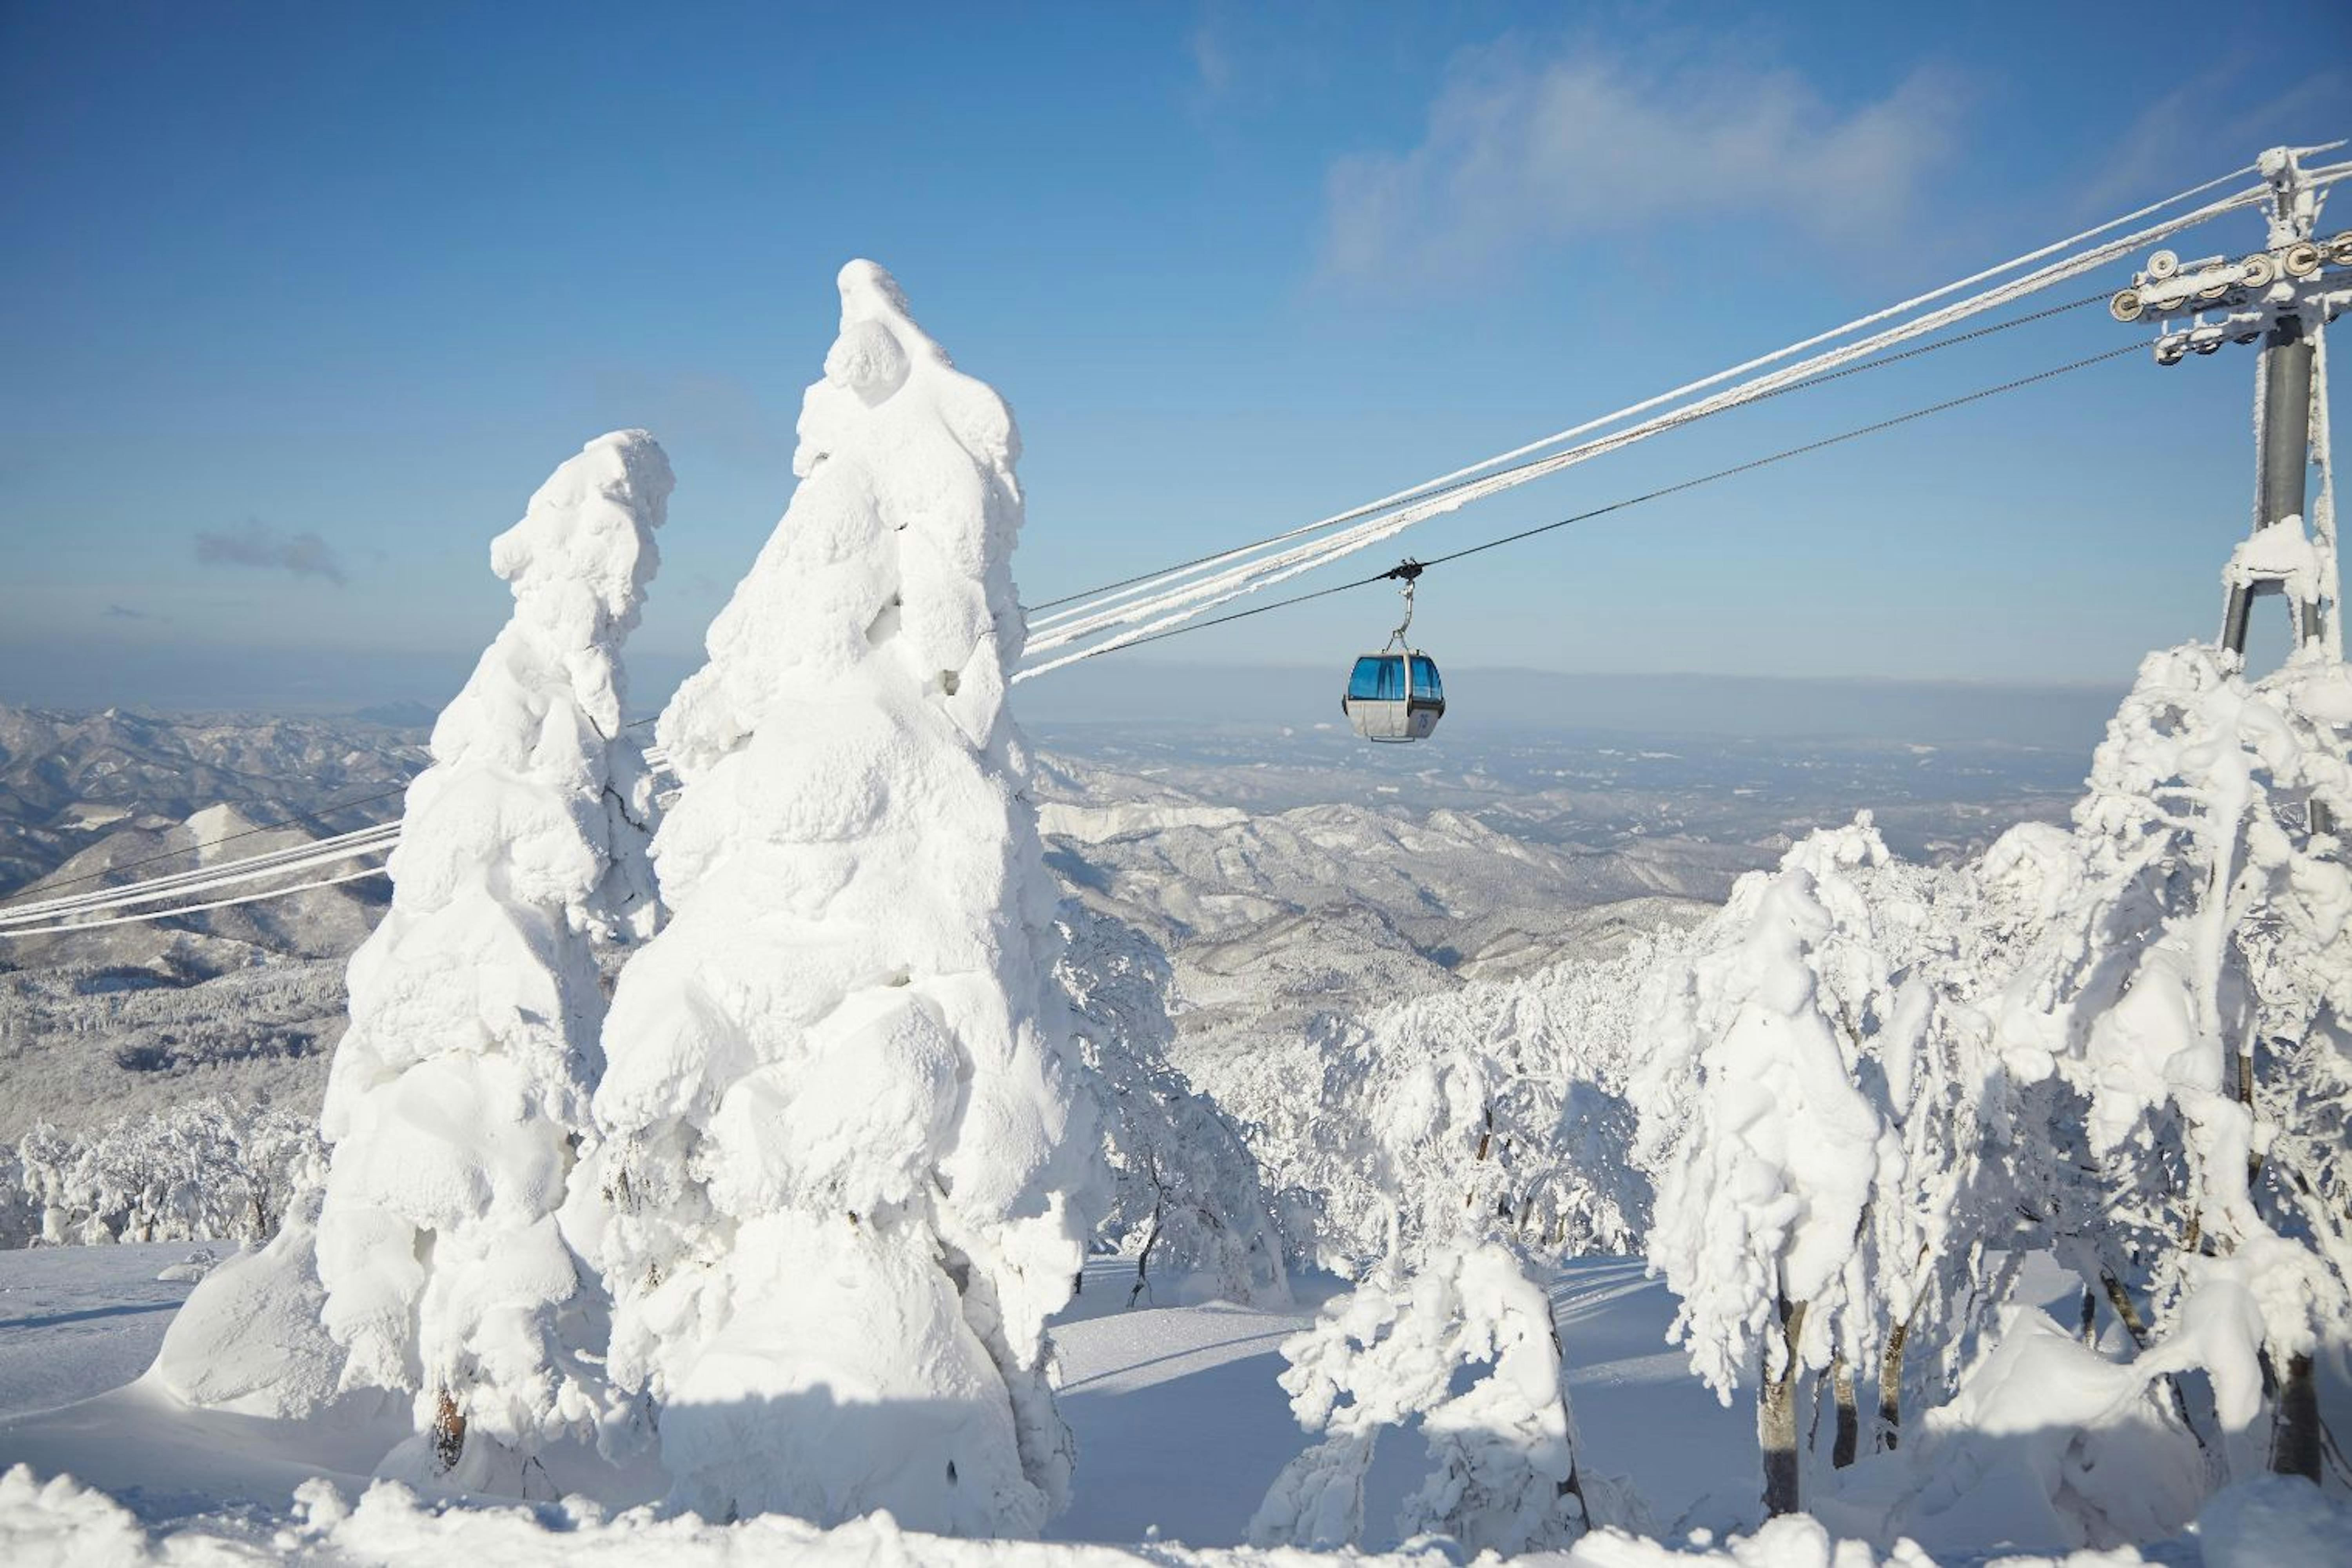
(1776, 1417)
(1849, 1416)
(2126, 1312)
(1143, 1258)
(1890, 1388)
(448, 1433)
(2090, 1328)
(2294, 1437)
(2135, 1326)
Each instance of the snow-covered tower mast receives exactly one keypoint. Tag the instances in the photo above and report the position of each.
(459, 1093)
(846, 1172)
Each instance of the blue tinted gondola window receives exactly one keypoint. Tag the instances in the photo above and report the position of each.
(1378, 678)
(1425, 686)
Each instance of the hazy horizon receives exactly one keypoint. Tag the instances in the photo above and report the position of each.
(1119, 689)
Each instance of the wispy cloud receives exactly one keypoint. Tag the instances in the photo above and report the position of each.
(123, 613)
(1528, 150)
(1210, 57)
(2192, 132)
(260, 546)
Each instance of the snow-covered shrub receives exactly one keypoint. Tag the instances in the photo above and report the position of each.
(1504, 1476)
(1186, 1202)
(460, 1091)
(205, 1170)
(2190, 995)
(847, 1165)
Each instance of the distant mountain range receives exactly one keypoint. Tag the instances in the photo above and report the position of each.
(1295, 879)
(69, 779)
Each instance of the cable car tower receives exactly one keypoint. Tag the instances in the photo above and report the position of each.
(2281, 298)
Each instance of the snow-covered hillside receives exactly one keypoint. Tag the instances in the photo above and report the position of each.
(68, 780)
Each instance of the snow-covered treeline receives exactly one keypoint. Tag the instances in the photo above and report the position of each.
(1844, 1114)
(1872, 1090)
(208, 1170)
(1505, 1096)
(1455, 1145)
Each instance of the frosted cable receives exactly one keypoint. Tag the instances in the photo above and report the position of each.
(1186, 600)
(1143, 585)
(272, 860)
(142, 893)
(199, 909)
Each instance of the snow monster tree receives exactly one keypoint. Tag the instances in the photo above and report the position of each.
(847, 1168)
(459, 1095)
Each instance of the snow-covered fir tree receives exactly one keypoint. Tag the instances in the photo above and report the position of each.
(848, 1166)
(458, 1097)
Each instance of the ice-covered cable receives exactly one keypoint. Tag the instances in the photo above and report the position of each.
(366, 841)
(383, 839)
(1134, 621)
(1616, 506)
(229, 839)
(1141, 584)
(199, 909)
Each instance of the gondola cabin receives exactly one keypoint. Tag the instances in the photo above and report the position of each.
(1394, 696)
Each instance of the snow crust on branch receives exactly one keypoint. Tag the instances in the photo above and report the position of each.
(846, 1167)
(457, 1095)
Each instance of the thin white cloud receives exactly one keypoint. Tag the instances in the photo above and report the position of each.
(1525, 154)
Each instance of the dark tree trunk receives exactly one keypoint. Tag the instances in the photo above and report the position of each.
(2294, 1439)
(1776, 1419)
(448, 1433)
(1890, 1388)
(1849, 1415)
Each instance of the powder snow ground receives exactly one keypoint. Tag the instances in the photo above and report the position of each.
(1179, 1425)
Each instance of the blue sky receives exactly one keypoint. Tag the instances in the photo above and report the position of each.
(299, 303)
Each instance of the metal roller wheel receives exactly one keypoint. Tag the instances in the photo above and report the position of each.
(2339, 249)
(2163, 265)
(2301, 260)
(2126, 306)
(2261, 271)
